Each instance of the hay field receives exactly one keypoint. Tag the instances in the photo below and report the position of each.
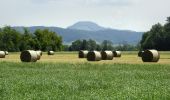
(72, 57)
(65, 77)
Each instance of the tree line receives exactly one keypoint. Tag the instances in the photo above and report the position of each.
(158, 37)
(93, 45)
(12, 40)
(45, 40)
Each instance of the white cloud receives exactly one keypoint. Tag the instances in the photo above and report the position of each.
(86, 2)
(111, 2)
(137, 15)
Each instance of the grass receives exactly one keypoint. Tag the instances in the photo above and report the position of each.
(82, 80)
(42, 81)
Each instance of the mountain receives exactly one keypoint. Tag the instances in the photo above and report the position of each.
(99, 34)
(86, 26)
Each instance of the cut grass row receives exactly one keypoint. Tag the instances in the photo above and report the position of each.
(53, 81)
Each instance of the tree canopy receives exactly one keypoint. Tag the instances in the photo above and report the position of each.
(92, 45)
(157, 38)
(12, 40)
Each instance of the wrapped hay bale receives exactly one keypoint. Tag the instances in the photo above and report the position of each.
(107, 55)
(2, 54)
(140, 53)
(83, 53)
(117, 53)
(28, 56)
(39, 54)
(6, 52)
(94, 56)
(150, 56)
(50, 52)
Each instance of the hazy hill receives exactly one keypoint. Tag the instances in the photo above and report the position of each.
(86, 26)
(89, 30)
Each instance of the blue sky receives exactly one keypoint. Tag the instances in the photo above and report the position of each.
(138, 15)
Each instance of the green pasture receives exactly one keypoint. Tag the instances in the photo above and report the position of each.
(65, 77)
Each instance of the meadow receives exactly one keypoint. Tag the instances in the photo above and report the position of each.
(65, 76)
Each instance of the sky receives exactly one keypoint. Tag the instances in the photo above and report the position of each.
(137, 15)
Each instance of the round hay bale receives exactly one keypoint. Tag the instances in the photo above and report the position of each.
(50, 52)
(2, 54)
(39, 54)
(94, 56)
(140, 53)
(117, 53)
(28, 56)
(107, 55)
(150, 56)
(39, 51)
(6, 52)
(83, 53)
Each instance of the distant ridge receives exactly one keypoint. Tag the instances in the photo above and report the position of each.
(91, 31)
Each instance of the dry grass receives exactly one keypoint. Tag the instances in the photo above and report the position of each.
(72, 57)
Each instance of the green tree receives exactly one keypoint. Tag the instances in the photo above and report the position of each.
(84, 45)
(47, 40)
(92, 45)
(65, 48)
(76, 45)
(167, 34)
(154, 39)
(107, 45)
(27, 42)
(9, 39)
(98, 47)
(158, 37)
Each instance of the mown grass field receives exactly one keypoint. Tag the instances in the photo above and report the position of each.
(72, 57)
(66, 77)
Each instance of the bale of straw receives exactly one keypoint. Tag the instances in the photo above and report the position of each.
(83, 53)
(2, 54)
(6, 52)
(50, 52)
(28, 56)
(107, 55)
(39, 54)
(94, 56)
(117, 53)
(140, 53)
(39, 51)
(150, 56)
